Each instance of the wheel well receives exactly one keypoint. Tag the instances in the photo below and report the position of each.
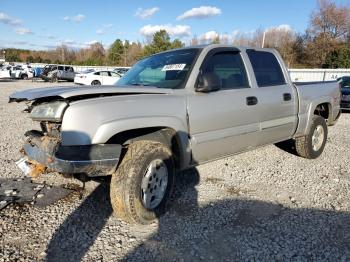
(323, 110)
(165, 135)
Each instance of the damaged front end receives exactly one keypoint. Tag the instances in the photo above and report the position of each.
(44, 152)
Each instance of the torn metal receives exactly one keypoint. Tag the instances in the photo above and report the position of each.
(24, 190)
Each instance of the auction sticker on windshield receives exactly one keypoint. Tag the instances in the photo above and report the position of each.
(173, 67)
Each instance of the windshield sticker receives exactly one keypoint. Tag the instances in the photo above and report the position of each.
(174, 67)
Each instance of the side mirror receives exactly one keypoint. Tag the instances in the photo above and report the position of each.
(208, 82)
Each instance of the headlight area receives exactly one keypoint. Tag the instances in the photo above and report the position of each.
(49, 111)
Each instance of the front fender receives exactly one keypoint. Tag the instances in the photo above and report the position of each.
(109, 129)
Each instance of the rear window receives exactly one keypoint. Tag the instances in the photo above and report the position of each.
(266, 68)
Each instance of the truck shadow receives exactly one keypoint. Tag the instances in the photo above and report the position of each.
(288, 146)
(225, 230)
(81, 228)
(239, 229)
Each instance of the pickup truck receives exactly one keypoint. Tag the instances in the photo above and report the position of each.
(172, 111)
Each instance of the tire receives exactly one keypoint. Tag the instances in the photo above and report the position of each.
(305, 146)
(24, 77)
(126, 193)
(95, 83)
(54, 78)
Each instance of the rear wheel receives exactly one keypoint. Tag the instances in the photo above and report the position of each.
(312, 145)
(143, 183)
(24, 77)
(96, 83)
(54, 78)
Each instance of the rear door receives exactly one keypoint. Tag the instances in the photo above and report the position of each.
(104, 75)
(70, 73)
(225, 121)
(277, 107)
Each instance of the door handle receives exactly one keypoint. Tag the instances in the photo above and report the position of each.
(252, 100)
(287, 97)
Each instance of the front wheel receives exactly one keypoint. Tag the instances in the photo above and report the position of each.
(143, 183)
(311, 145)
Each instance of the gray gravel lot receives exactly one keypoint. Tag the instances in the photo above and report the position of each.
(265, 205)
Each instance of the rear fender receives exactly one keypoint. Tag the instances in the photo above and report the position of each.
(305, 120)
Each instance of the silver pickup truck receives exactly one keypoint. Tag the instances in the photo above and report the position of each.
(170, 112)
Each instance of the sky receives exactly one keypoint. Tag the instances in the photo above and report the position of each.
(46, 24)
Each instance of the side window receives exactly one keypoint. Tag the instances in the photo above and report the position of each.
(104, 73)
(266, 68)
(114, 74)
(97, 73)
(229, 67)
(60, 67)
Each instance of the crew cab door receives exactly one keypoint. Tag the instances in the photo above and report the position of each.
(226, 121)
(277, 107)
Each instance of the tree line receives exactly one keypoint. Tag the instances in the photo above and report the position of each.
(324, 44)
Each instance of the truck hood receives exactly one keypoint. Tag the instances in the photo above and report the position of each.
(77, 93)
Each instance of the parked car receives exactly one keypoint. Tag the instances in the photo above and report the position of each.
(172, 111)
(5, 71)
(53, 73)
(121, 70)
(103, 77)
(38, 71)
(21, 72)
(345, 91)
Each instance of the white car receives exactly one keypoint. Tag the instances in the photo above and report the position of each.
(5, 72)
(103, 77)
(21, 72)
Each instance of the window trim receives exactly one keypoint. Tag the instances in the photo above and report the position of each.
(218, 50)
(278, 61)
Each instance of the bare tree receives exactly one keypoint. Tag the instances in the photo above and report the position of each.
(283, 39)
(194, 41)
(329, 27)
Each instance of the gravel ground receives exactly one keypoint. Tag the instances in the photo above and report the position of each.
(262, 205)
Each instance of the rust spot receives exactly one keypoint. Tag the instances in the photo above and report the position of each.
(36, 169)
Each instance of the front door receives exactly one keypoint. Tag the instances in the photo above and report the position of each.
(223, 122)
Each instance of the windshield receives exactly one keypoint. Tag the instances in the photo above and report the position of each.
(165, 70)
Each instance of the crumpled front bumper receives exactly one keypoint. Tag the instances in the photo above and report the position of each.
(93, 160)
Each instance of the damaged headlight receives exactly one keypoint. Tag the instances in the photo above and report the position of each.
(52, 112)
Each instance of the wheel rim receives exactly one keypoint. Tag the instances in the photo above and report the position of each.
(154, 184)
(317, 138)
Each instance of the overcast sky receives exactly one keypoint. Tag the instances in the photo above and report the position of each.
(46, 24)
